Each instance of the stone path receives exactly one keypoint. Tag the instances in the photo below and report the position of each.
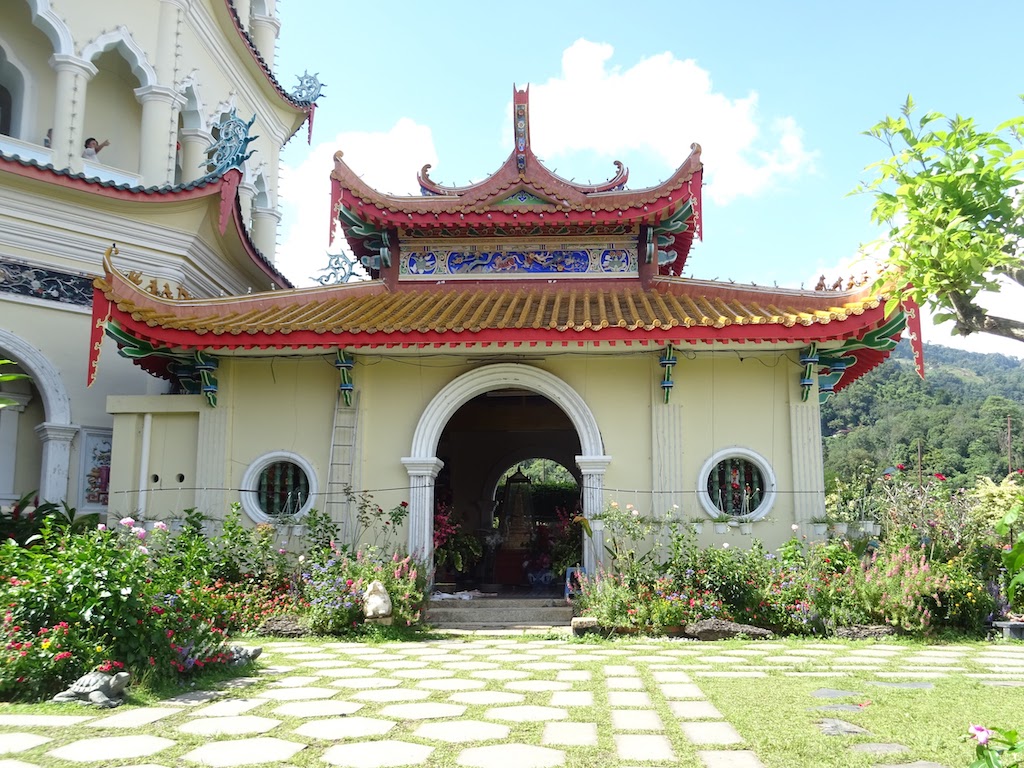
(491, 702)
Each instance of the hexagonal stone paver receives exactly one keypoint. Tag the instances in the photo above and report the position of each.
(487, 697)
(730, 759)
(111, 748)
(230, 725)
(377, 754)
(134, 718)
(462, 731)
(538, 685)
(571, 699)
(19, 742)
(345, 728)
(349, 672)
(318, 708)
(297, 694)
(367, 683)
(220, 754)
(526, 713)
(426, 711)
(229, 708)
(570, 734)
(44, 721)
(519, 755)
(501, 674)
(711, 733)
(391, 694)
(452, 685)
(423, 674)
(643, 748)
(636, 720)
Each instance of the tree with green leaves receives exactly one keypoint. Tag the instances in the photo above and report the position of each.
(950, 195)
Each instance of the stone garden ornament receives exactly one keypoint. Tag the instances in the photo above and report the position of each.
(101, 689)
(377, 604)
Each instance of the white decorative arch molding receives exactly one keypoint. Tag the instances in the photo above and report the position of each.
(192, 112)
(57, 431)
(121, 39)
(423, 465)
(53, 26)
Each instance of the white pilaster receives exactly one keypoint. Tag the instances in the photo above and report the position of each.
(422, 473)
(808, 468)
(264, 31)
(53, 476)
(10, 415)
(667, 449)
(593, 469)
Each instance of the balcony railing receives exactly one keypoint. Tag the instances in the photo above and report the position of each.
(11, 147)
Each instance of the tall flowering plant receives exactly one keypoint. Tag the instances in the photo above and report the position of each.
(452, 547)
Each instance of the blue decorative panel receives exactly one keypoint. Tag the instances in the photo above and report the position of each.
(48, 284)
(497, 261)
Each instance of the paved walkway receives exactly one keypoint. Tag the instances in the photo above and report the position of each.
(490, 702)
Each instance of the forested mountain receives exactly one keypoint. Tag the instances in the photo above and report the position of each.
(957, 415)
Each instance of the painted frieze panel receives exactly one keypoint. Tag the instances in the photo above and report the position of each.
(433, 260)
(48, 284)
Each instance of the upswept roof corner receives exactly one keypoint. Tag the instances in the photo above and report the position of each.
(224, 186)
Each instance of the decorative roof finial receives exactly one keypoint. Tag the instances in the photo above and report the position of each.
(521, 124)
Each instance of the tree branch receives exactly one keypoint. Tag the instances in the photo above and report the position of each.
(970, 318)
(1015, 272)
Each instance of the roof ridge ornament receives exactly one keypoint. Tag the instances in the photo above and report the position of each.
(309, 88)
(228, 151)
(521, 125)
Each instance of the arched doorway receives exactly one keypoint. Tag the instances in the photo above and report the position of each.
(424, 465)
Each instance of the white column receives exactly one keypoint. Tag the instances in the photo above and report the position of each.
(246, 193)
(422, 473)
(167, 42)
(194, 156)
(73, 76)
(264, 231)
(10, 415)
(264, 33)
(808, 469)
(53, 476)
(157, 148)
(244, 10)
(593, 469)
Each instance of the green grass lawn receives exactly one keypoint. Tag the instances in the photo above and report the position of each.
(774, 714)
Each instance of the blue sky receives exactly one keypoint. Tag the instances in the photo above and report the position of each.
(777, 94)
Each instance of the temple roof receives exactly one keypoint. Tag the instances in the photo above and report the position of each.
(370, 314)
(522, 193)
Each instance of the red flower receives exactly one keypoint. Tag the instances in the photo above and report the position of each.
(901, 467)
(939, 476)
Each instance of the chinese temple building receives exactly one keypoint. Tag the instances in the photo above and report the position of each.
(522, 316)
(188, 120)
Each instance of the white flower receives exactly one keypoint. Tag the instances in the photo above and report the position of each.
(101, 527)
(725, 545)
(302, 558)
(160, 525)
(794, 527)
(675, 506)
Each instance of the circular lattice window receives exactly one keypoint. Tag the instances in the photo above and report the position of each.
(736, 483)
(278, 486)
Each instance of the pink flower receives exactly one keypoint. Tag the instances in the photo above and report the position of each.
(160, 525)
(143, 550)
(281, 551)
(101, 527)
(140, 532)
(980, 732)
(127, 522)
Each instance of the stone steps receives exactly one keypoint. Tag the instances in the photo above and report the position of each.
(496, 612)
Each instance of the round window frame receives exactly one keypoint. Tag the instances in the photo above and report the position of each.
(742, 453)
(251, 478)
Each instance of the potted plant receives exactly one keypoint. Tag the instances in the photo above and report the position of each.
(819, 526)
(746, 527)
(697, 525)
(721, 522)
(454, 551)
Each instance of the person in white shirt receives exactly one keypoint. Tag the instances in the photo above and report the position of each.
(93, 147)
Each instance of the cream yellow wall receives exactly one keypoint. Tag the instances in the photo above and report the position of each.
(113, 113)
(171, 476)
(284, 405)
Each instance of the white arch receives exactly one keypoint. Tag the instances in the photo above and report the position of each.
(51, 25)
(45, 375)
(122, 39)
(504, 376)
(423, 465)
(192, 113)
(57, 431)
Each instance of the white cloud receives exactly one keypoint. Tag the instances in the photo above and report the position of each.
(387, 161)
(661, 105)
